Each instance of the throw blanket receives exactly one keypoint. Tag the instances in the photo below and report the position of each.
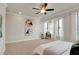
(53, 48)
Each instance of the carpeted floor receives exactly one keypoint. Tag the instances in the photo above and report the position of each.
(24, 48)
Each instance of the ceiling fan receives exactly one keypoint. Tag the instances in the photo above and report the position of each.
(43, 9)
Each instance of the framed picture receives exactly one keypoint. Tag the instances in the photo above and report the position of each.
(28, 27)
(0, 26)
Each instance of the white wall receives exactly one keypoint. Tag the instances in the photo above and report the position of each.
(2, 40)
(67, 27)
(74, 26)
(70, 27)
(15, 28)
(78, 26)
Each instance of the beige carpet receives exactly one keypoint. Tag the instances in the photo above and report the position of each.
(24, 48)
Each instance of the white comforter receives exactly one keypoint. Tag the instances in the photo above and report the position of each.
(57, 48)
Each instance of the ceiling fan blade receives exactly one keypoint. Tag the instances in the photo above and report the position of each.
(49, 9)
(45, 5)
(37, 12)
(36, 8)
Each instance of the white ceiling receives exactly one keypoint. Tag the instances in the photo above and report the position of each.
(26, 8)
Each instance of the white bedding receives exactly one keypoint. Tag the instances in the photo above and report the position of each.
(57, 48)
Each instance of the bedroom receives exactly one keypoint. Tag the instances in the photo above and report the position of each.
(21, 38)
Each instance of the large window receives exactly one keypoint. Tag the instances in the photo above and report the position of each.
(45, 27)
(51, 27)
(56, 28)
(59, 28)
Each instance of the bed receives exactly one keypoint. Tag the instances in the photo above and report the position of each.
(54, 48)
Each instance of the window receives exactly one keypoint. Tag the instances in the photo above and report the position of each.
(60, 27)
(51, 27)
(45, 27)
(56, 28)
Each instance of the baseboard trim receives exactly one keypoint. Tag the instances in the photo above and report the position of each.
(18, 41)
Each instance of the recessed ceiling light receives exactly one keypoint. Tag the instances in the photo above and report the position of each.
(20, 13)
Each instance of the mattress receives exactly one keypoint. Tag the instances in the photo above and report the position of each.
(53, 48)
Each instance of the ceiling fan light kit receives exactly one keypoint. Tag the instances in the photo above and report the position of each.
(43, 9)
